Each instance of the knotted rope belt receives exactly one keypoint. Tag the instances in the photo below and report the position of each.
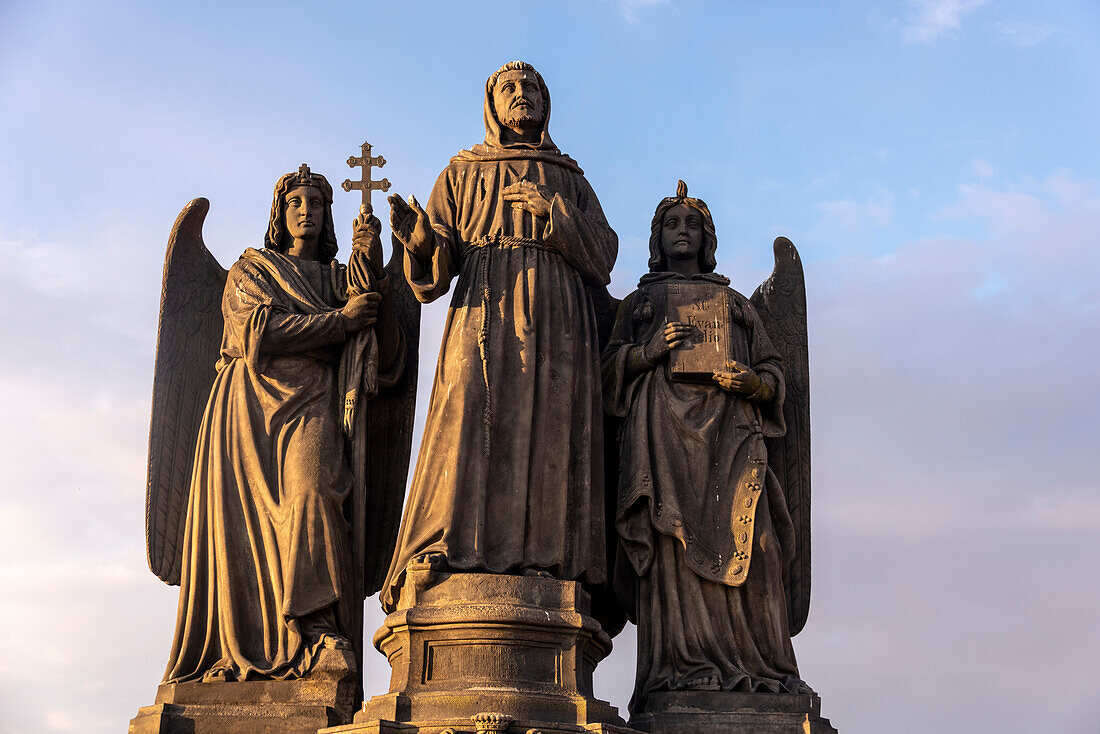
(505, 242)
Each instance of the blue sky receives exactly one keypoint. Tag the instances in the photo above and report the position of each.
(935, 161)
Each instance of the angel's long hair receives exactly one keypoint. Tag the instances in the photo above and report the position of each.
(707, 261)
(277, 234)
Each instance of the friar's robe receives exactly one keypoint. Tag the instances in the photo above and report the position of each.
(684, 449)
(266, 542)
(510, 470)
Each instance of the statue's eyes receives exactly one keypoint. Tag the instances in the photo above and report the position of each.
(509, 87)
(693, 223)
(672, 222)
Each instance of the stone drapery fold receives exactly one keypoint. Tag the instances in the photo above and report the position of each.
(707, 587)
(266, 540)
(510, 470)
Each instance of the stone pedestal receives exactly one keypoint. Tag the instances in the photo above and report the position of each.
(489, 653)
(720, 712)
(325, 698)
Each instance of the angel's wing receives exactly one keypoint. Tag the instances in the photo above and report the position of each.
(606, 606)
(389, 428)
(781, 302)
(188, 340)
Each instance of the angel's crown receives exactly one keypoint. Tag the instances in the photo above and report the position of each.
(305, 176)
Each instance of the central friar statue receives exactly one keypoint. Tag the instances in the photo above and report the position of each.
(509, 478)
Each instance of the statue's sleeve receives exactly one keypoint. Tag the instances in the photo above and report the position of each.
(579, 231)
(620, 361)
(288, 333)
(263, 325)
(430, 277)
(768, 364)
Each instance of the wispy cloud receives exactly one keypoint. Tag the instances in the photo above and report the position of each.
(957, 495)
(631, 8)
(1024, 35)
(852, 215)
(982, 168)
(932, 19)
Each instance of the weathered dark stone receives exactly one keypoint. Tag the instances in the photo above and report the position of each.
(509, 476)
(301, 706)
(721, 712)
(275, 480)
(711, 473)
(275, 506)
(467, 649)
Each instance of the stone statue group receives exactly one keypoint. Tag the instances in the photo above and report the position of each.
(655, 450)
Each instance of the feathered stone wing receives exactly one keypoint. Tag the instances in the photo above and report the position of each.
(188, 341)
(606, 607)
(781, 302)
(389, 428)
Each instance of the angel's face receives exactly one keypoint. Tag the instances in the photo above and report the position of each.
(682, 233)
(304, 212)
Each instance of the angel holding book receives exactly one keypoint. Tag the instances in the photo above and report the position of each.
(713, 497)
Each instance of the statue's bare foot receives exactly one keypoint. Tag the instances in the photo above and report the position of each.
(218, 675)
(537, 573)
(800, 686)
(334, 659)
(703, 683)
(434, 561)
(332, 641)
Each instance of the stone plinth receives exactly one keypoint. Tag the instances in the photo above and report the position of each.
(720, 712)
(489, 653)
(325, 698)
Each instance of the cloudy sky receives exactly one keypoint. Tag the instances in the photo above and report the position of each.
(935, 161)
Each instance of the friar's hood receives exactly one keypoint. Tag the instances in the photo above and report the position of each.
(495, 149)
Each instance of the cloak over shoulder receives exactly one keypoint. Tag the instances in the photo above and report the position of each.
(265, 540)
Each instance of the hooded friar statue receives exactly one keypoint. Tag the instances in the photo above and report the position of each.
(509, 478)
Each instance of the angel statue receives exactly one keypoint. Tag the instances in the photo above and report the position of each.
(713, 497)
(275, 508)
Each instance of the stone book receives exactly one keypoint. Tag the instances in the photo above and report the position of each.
(706, 307)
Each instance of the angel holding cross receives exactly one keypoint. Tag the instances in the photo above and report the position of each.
(257, 503)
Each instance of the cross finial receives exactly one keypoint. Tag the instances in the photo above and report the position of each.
(365, 184)
(303, 172)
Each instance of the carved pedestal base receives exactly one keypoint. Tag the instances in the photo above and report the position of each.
(719, 712)
(489, 653)
(326, 698)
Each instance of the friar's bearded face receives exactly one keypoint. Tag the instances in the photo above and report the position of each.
(517, 99)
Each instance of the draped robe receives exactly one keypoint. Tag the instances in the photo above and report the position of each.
(266, 542)
(510, 471)
(684, 449)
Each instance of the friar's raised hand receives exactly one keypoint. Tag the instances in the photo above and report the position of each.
(411, 226)
(738, 378)
(530, 196)
(665, 340)
(365, 238)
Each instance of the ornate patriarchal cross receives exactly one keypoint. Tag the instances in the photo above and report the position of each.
(365, 184)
